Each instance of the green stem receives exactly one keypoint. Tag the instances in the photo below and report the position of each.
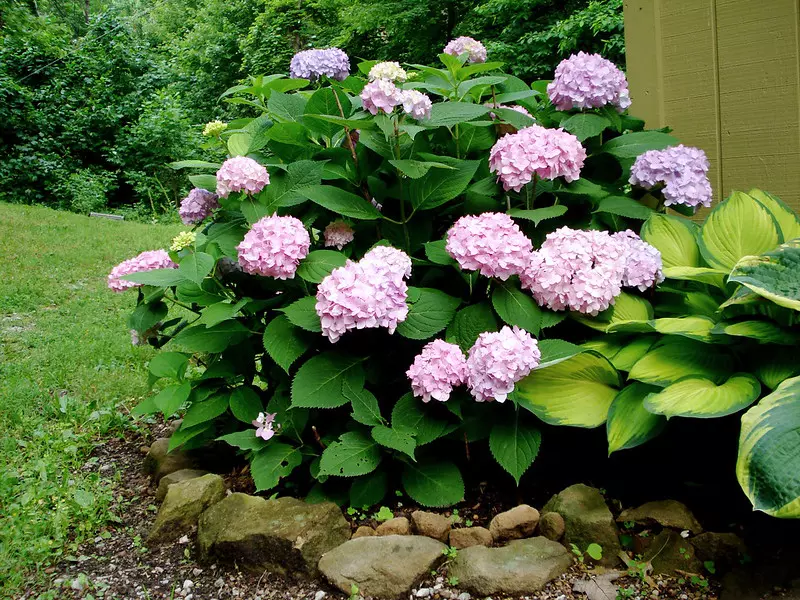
(181, 304)
(455, 136)
(403, 218)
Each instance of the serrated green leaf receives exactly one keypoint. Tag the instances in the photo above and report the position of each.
(170, 399)
(556, 351)
(469, 323)
(409, 416)
(585, 125)
(303, 314)
(431, 312)
(286, 108)
(452, 113)
(537, 215)
(244, 440)
(352, 455)
(514, 444)
(439, 186)
(369, 490)
(157, 277)
(219, 312)
(284, 342)
(631, 145)
(146, 315)
(204, 182)
(169, 364)
(341, 202)
(624, 207)
(205, 410)
(365, 405)
(245, 404)
(417, 168)
(269, 465)
(318, 383)
(433, 484)
(516, 307)
(292, 420)
(436, 253)
(402, 441)
(200, 338)
(319, 264)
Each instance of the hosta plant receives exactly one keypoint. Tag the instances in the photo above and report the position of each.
(400, 269)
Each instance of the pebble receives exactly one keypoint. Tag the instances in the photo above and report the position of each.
(188, 584)
(464, 596)
(319, 595)
(684, 597)
(423, 592)
(219, 582)
(197, 572)
(184, 540)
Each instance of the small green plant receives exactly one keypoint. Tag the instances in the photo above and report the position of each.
(384, 514)
(452, 581)
(354, 592)
(455, 517)
(699, 581)
(450, 553)
(629, 524)
(595, 552)
(710, 566)
(468, 522)
(627, 592)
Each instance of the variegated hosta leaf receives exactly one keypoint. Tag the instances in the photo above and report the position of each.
(765, 332)
(701, 398)
(675, 238)
(788, 222)
(674, 358)
(627, 307)
(629, 423)
(774, 275)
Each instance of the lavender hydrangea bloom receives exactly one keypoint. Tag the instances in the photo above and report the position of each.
(146, 261)
(365, 294)
(313, 64)
(682, 169)
(588, 81)
(576, 270)
(498, 360)
(491, 243)
(437, 370)
(338, 234)
(381, 94)
(274, 247)
(198, 205)
(642, 261)
(536, 150)
(264, 424)
(416, 104)
(241, 174)
(460, 45)
(388, 70)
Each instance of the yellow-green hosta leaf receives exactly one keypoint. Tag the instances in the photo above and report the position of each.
(775, 275)
(707, 275)
(774, 365)
(629, 423)
(766, 332)
(788, 222)
(632, 352)
(607, 345)
(626, 307)
(675, 358)
(577, 391)
(769, 452)
(701, 398)
(674, 237)
(696, 328)
(738, 227)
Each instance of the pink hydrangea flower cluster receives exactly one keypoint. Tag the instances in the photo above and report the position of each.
(338, 234)
(241, 174)
(498, 360)
(437, 370)
(491, 243)
(417, 104)
(576, 270)
(265, 425)
(146, 261)
(197, 206)
(365, 294)
(682, 169)
(313, 64)
(642, 261)
(381, 95)
(588, 81)
(536, 150)
(460, 45)
(274, 247)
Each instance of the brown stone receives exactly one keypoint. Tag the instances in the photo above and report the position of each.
(159, 461)
(725, 550)
(396, 526)
(465, 537)
(669, 553)
(176, 477)
(552, 526)
(431, 525)
(183, 505)
(666, 513)
(517, 523)
(364, 531)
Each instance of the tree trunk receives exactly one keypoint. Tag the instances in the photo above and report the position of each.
(86, 11)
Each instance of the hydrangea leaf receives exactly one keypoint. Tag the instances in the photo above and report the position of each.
(516, 307)
(157, 277)
(205, 182)
(585, 125)
(674, 358)
(787, 219)
(624, 207)
(436, 253)
(146, 315)
(284, 342)
(369, 490)
(452, 113)
(365, 405)
(703, 399)
(245, 404)
(286, 108)
(303, 314)
(408, 415)
(556, 351)
(206, 410)
(341, 202)
(514, 444)
(273, 463)
(192, 437)
(768, 452)
(631, 145)
(219, 312)
(438, 186)
(431, 312)
(323, 102)
(674, 238)
(351, 455)
(319, 382)
(200, 338)
(537, 215)
(170, 399)
(292, 420)
(402, 441)
(169, 364)
(469, 323)
(433, 484)
(774, 275)
(629, 423)
(319, 263)
(738, 227)
(244, 440)
(577, 391)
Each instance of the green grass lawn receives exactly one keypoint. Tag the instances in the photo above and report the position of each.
(68, 376)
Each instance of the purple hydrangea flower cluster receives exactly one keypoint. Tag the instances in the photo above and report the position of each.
(437, 370)
(491, 243)
(576, 270)
(381, 94)
(241, 174)
(417, 104)
(682, 169)
(365, 294)
(642, 261)
(498, 360)
(198, 205)
(460, 45)
(588, 81)
(313, 64)
(265, 425)
(146, 261)
(274, 247)
(536, 150)
(338, 234)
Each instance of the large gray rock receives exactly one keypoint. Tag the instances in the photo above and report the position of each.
(183, 505)
(517, 523)
(521, 567)
(587, 520)
(670, 553)
(159, 462)
(382, 566)
(285, 536)
(176, 477)
(666, 513)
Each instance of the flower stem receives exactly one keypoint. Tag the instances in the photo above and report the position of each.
(403, 218)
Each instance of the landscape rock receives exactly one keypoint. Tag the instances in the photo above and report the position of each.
(176, 477)
(364, 531)
(669, 553)
(285, 536)
(517, 523)
(667, 513)
(551, 526)
(521, 567)
(600, 587)
(726, 550)
(587, 520)
(159, 462)
(183, 505)
(382, 567)
(396, 526)
(465, 537)
(430, 524)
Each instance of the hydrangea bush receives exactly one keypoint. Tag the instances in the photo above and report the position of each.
(402, 267)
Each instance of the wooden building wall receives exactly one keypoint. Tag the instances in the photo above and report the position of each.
(725, 75)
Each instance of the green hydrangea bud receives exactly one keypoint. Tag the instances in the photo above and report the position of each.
(183, 240)
(214, 128)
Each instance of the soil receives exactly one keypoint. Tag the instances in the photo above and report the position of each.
(118, 565)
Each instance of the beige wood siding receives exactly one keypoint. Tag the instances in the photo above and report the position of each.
(725, 75)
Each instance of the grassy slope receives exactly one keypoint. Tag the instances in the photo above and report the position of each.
(68, 375)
